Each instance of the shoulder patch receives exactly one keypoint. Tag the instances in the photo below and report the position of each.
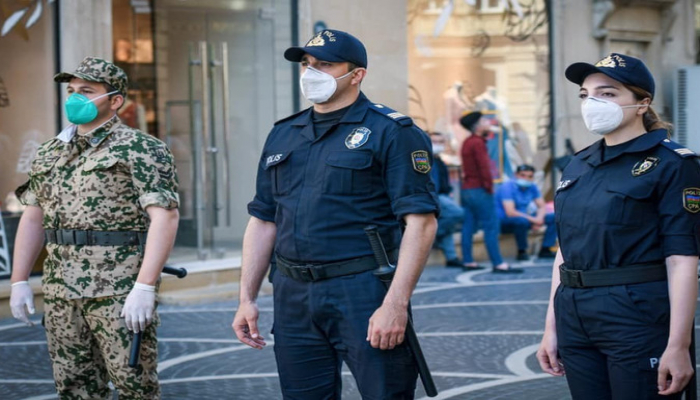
(392, 114)
(292, 116)
(678, 148)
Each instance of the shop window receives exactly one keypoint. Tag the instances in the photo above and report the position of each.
(132, 34)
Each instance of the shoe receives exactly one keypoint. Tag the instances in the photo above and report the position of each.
(455, 262)
(472, 267)
(546, 253)
(507, 270)
(522, 256)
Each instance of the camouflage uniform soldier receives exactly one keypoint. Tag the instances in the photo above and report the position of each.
(92, 192)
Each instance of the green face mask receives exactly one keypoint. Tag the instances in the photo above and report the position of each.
(81, 110)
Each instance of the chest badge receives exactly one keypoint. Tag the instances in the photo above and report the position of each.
(421, 161)
(691, 199)
(563, 184)
(357, 137)
(642, 167)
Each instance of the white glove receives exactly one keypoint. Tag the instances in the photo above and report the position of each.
(21, 297)
(139, 306)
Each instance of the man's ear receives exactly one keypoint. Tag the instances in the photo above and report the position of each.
(358, 75)
(116, 102)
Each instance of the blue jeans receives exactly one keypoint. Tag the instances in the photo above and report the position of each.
(451, 215)
(480, 207)
(521, 226)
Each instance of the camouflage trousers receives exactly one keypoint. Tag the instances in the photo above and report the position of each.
(89, 346)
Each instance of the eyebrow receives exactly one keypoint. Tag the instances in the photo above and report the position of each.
(74, 87)
(601, 87)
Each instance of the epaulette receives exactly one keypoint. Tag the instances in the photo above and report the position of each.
(404, 120)
(678, 148)
(292, 116)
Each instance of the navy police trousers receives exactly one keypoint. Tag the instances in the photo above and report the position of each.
(318, 325)
(611, 338)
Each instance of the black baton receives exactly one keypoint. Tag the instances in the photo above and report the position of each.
(136, 339)
(385, 273)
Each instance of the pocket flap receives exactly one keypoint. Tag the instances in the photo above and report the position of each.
(632, 188)
(349, 159)
(92, 164)
(274, 158)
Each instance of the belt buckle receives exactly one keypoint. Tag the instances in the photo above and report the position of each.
(307, 273)
(575, 277)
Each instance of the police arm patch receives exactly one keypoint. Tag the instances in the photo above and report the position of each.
(421, 161)
(691, 199)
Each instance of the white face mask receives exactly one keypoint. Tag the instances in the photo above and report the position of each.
(603, 116)
(318, 86)
(438, 148)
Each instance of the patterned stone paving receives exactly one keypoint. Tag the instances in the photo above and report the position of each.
(479, 332)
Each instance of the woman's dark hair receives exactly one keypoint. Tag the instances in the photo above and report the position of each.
(650, 118)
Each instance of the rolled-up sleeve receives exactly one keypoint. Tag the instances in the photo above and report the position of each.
(263, 205)
(679, 210)
(407, 173)
(154, 176)
(25, 195)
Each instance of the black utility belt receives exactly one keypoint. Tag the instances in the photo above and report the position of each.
(319, 272)
(614, 276)
(95, 238)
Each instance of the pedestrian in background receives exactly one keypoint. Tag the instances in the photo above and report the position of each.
(521, 208)
(477, 195)
(451, 214)
(624, 282)
(325, 174)
(93, 194)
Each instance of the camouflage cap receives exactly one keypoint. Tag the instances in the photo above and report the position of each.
(97, 70)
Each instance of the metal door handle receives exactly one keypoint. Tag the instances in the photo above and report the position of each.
(227, 129)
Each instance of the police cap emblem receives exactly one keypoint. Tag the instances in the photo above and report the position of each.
(421, 161)
(691, 199)
(644, 166)
(357, 137)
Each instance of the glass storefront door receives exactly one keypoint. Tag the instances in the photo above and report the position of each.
(216, 78)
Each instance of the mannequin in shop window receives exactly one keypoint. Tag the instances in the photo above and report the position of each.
(456, 104)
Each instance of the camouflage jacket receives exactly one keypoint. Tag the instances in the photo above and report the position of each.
(101, 181)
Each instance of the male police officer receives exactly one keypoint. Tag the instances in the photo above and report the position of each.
(324, 175)
(91, 193)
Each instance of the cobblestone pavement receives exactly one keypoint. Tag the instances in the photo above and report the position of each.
(479, 332)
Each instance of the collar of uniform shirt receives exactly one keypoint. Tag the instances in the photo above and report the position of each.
(67, 134)
(593, 154)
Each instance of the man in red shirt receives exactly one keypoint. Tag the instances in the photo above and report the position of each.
(477, 195)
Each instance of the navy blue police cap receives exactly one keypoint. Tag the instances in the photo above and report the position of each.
(469, 121)
(332, 46)
(622, 68)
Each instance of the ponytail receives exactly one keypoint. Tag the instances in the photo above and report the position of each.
(650, 119)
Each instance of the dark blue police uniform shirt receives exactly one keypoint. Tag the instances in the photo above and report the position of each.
(636, 207)
(371, 168)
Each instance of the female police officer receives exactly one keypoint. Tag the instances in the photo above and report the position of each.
(624, 283)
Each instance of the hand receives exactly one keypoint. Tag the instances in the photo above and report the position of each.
(139, 306)
(537, 221)
(245, 324)
(675, 371)
(387, 326)
(21, 297)
(548, 356)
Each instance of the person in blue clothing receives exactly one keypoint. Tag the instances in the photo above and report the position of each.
(451, 214)
(325, 174)
(521, 207)
(624, 282)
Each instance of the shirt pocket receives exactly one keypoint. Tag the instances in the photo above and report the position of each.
(40, 182)
(631, 203)
(104, 178)
(348, 172)
(279, 167)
